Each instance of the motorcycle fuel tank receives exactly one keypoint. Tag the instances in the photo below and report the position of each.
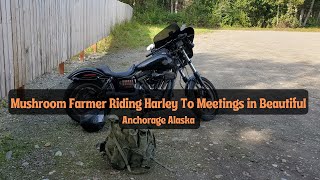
(159, 61)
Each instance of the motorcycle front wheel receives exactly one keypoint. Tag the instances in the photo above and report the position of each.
(195, 90)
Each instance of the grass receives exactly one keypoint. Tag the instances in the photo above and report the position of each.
(131, 35)
(3, 103)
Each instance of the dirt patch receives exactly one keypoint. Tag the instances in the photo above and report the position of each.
(230, 147)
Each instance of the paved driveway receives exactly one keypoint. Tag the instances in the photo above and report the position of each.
(230, 147)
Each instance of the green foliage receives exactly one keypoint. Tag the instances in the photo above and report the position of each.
(234, 14)
(287, 20)
(199, 13)
(3, 103)
(313, 22)
(152, 13)
(131, 35)
(128, 35)
(227, 13)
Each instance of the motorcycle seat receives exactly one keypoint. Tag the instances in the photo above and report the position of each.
(107, 71)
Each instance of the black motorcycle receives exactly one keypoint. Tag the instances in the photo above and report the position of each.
(170, 54)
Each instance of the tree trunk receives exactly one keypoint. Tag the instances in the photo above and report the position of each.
(301, 16)
(171, 6)
(308, 15)
(176, 7)
(319, 17)
(278, 11)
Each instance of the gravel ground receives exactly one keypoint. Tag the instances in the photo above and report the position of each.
(230, 147)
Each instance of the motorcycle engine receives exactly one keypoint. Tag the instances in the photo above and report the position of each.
(157, 79)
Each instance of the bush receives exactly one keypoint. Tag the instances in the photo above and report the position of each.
(286, 21)
(171, 18)
(313, 22)
(220, 13)
(199, 14)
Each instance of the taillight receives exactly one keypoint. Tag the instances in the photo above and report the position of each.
(90, 75)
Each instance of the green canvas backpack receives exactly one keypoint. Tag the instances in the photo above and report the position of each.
(128, 148)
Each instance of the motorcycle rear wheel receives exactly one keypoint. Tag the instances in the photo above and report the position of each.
(81, 90)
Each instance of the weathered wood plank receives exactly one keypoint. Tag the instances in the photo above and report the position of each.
(2, 70)
(4, 44)
(50, 38)
(42, 36)
(6, 47)
(37, 35)
(46, 35)
(38, 47)
(14, 42)
(9, 22)
(57, 31)
(32, 47)
(26, 30)
(54, 34)
(20, 45)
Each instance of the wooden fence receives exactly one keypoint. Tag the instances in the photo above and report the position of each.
(37, 35)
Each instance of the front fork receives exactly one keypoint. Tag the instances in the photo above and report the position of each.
(195, 72)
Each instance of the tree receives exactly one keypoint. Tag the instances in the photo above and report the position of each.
(171, 8)
(308, 15)
(176, 6)
(215, 13)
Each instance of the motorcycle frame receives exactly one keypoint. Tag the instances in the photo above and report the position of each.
(92, 74)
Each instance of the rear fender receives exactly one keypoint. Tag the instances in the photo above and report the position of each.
(86, 74)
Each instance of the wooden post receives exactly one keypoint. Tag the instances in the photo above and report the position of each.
(61, 68)
(94, 47)
(81, 57)
(21, 92)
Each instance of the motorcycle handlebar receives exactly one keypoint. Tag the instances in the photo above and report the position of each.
(180, 37)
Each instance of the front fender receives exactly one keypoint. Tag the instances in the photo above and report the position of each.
(190, 85)
(85, 74)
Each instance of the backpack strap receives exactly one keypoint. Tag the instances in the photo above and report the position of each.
(125, 158)
(103, 149)
(102, 146)
(123, 155)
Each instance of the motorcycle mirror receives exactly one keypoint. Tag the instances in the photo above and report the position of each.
(150, 47)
